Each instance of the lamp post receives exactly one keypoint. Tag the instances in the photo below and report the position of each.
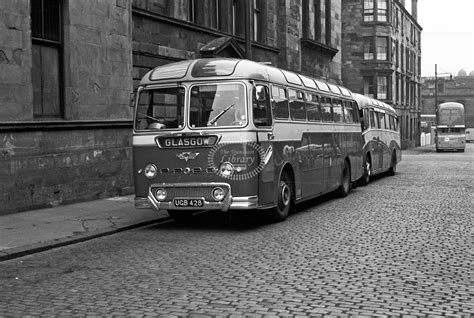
(436, 85)
(436, 89)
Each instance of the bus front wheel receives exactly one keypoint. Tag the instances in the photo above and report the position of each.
(284, 199)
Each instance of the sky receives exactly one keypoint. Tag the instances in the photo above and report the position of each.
(447, 38)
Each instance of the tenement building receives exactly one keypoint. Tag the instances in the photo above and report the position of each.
(67, 69)
(381, 58)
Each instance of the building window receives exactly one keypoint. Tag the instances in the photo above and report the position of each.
(368, 10)
(369, 89)
(382, 12)
(318, 21)
(382, 48)
(209, 13)
(191, 11)
(214, 10)
(238, 20)
(259, 20)
(397, 54)
(397, 89)
(397, 19)
(407, 60)
(46, 55)
(382, 87)
(375, 11)
(327, 10)
(369, 49)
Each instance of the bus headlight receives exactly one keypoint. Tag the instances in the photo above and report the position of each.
(218, 194)
(150, 171)
(226, 169)
(160, 194)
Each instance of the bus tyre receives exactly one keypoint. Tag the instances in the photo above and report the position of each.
(346, 183)
(284, 199)
(393, 166)
(365, 179)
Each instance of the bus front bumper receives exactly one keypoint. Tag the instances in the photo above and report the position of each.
(197, 193)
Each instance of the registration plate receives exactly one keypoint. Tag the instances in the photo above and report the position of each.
(189, 203)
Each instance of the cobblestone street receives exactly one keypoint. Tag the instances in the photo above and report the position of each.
(400, 246)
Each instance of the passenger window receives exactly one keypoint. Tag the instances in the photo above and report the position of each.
(365, 123)
(382, 121)
(280, 102)
(392, 123)
(373, 120)
(312, 108)
(337, 111)
(355, 112)
(326, 109)
(262, 115)
(297, 109)
(348, 113)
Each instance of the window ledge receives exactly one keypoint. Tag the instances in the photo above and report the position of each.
(371, 23)
(320, 46)
(64, 125)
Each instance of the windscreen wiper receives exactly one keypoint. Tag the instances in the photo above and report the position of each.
(213, 120)
(155, 119)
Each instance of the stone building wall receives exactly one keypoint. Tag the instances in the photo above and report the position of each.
(15, 61)
(85, 153)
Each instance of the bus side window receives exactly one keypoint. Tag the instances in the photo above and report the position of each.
(262, 114)
(365, 121)
(347, 111)
(312, 108)
(280, 102)
(373, 121)
(384, 120)
(337, 111)
(326, 109)
(355, 112)
(393, 126)
(296, 101)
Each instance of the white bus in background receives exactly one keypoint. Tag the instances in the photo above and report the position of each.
(450, 128)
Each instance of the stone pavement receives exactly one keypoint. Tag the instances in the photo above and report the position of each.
(38, 230)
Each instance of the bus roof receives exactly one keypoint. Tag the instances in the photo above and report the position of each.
(367, 102)
(227, 68)
(452, 105)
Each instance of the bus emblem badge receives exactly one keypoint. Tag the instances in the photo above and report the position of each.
(187, 155)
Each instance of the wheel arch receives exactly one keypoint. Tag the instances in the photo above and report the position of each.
(288, 168)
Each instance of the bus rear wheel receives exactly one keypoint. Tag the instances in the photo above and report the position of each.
(284, 199)
(393, 166)
(346, 183)
(365, 179)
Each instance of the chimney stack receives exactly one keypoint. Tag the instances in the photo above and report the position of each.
(414, 9)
